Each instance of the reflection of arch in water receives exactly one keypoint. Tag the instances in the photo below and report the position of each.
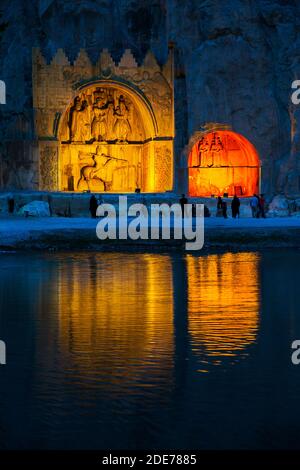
(119, 321)
(223, 162)
(223, 304)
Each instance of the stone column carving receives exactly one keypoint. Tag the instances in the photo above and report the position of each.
(163, 168)
(49, 168)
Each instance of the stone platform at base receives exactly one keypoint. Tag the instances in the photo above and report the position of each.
(68, 204)
(63, 204)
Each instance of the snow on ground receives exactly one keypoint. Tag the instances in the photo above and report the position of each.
(249, 222)
(16, 230)
(40, 223)
(10, 224)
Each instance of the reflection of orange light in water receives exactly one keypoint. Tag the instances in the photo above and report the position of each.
(223, 162)
(117, 321)
(223, 303)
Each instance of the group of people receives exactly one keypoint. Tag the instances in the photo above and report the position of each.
(222, 207)
(257, 204)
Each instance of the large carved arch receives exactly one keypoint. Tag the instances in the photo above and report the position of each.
(104, 127)
(107, 135)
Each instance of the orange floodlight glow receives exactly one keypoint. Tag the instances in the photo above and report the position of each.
(223, 162)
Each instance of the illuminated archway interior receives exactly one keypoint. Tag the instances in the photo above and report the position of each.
(223, 162)
(107, 143)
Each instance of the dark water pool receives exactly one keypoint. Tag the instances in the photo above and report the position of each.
(149, 351)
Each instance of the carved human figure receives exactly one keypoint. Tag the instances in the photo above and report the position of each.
(110, 120)
(216, 150)
(203, 152)
(75, 117)
(99, 123)
(122, 126)
(84, 123)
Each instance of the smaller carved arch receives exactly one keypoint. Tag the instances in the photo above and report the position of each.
(221, 161)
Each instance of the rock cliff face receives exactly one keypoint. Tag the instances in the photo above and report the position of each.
(235, 62)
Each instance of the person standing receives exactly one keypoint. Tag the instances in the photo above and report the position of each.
(235, 207)
(258, 207)
(262, 204)
(219, 207)
(11, 205)
(93, 206)
(224, 209)
(254, 205)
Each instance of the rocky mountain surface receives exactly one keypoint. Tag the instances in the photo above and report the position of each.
(235, 62)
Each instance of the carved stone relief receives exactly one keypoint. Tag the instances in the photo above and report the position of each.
(103, 114)
(101, 167)
(163, 168)
(48, 168)
(107, 131)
